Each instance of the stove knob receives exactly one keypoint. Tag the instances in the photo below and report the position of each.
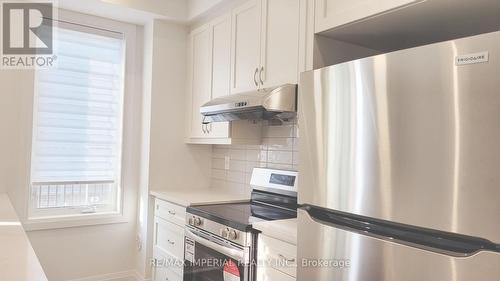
(225, 233)
(232, 235)
(197, 221)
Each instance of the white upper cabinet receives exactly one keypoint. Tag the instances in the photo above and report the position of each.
(266, 43)
(221, 69)
(281, 27)
(221, 57)
(334, 13)
(257, 45)
(200, 78)
(246, 47)
(209, 75)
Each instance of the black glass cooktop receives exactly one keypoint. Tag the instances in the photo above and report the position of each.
(241, 216)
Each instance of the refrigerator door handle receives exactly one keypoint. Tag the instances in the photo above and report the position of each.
(447, 243)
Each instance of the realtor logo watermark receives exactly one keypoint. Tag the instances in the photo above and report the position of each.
(27, 35)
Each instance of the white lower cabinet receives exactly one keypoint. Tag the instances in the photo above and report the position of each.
(271, 274)
(277, 260)
(168, 241)
(166, 269)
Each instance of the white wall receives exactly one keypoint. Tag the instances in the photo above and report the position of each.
(16, 86)
(172, 163)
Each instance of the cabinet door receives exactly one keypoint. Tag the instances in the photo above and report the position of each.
(169, 238)
(281, 27)
(200, 68)
(221, 69)
(333, 13)
(246, 47)
(271, 274)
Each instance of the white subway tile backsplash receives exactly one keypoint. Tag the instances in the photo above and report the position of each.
(253, 155)
(220, 152)
(280, 157)
(285, 131)
(295, 144)
(237, 154)
(236, 185)
(280, 166)
(237, 165)
(218, 174)
(217, 183)
(234, 176)
(251, 165)
(218, 163)
(295, 158)
(285, 144)
(278, 150)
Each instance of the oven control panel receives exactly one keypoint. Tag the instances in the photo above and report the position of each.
(199, 223)
(230, 234)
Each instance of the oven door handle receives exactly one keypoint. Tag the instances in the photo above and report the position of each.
(236, 254)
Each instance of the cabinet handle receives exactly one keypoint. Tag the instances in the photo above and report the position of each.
(260, 75)
(255, 77)
(285, 258)
(171, 212)
(171, 242)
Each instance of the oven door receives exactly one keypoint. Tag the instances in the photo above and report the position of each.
(211, 258)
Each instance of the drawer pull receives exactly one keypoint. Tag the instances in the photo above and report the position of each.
(171, 212)
(285, 258)
(171, 242)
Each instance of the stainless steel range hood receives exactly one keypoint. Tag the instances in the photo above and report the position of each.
(279, 103)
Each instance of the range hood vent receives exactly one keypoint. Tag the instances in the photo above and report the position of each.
(279, 103)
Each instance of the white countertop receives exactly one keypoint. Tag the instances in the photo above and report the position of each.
(18, 261)
(284, 230)
(188, 197)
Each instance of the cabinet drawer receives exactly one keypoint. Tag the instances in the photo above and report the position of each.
(169, 238)
(271, 274)
(167, 265)
(281, 255)
(171, 212)
(173, 276)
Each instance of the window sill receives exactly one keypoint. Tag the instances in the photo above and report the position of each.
(33, 224)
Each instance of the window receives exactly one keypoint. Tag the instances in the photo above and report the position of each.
(77, 125)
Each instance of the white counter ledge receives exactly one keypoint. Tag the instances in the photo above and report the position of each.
(284, 230)
(18, 261)
(201, 196)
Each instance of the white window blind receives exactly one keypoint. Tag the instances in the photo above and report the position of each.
(77, 134)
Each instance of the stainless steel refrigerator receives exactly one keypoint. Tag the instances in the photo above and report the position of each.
(400, 166)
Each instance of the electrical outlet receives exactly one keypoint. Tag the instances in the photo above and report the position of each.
(226, 162)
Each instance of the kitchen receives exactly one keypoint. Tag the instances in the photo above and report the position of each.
(253, 140)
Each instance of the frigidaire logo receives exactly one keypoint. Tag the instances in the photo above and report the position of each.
(27, 34)
(472, 58)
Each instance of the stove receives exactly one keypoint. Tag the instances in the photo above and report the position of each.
(223, 235)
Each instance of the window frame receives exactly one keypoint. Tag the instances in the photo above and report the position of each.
(34, 213)
(127, 107)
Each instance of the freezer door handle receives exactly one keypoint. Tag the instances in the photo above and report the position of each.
(447, 243)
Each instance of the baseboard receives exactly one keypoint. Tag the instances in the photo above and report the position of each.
(130, 275)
